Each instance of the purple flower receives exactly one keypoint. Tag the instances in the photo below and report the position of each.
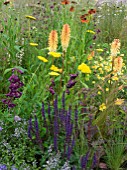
(17, 119)
(70, 84)
(14, 78)
(3, 167)
(30, 128)
(98, 31)
(56, 124)
(15, 84)
(68, 91)
(84, 160)
(94, 37)
(15, 69)
(52, 90)
(13, 168)
(94, 162)
(1, 128)
(73, 76)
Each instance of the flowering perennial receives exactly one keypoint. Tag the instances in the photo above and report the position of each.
(65, 37)
(84, 68)
(53, 41)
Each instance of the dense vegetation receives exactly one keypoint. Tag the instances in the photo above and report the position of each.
(63, 86)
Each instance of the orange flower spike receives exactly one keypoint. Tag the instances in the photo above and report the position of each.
(91, 55)
(65, 2)
(53, 41)
(118, 63)
(65, 36)
(115, 47)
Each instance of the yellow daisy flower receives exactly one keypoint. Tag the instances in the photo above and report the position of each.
(30, 17)
(90, 31)
(52, 73)
(99, 50)
(119, 102)
(33, 44)
(84, 68)
(102, 107)
(55, 54)
(42, 59)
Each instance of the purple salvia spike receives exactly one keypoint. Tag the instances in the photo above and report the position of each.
(84, 160)
(49, 110)
(94, 162)
(30, 128)
(70, 148)
(76, 120)
(89, 130)
(56, 125)
(63, 101)
(38, 139)
(43, 115)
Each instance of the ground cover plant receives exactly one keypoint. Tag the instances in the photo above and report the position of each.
(63, 86)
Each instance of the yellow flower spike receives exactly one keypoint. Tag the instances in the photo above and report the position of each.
(119, 102)
(30, 17)
(55, 54)
(102, 107)
(52, 73)
(65, 37)
(33, 44)
(90, 31)
(42, 59)
(53, 41)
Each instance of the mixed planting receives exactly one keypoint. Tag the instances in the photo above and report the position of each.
(63, 86)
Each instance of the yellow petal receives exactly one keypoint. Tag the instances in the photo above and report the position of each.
(42, 59)
(54, 73)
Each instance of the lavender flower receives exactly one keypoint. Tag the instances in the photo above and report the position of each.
(84, 160)
(17, 119)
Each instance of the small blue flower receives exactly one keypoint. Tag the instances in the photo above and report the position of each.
(1, 128)
(3, 167)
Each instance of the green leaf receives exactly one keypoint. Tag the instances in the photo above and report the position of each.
(85, 85)
(17, 48)
(7, 70)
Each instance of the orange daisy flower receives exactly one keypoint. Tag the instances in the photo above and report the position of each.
(72, 9)
(65, 2)
(92, 11)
